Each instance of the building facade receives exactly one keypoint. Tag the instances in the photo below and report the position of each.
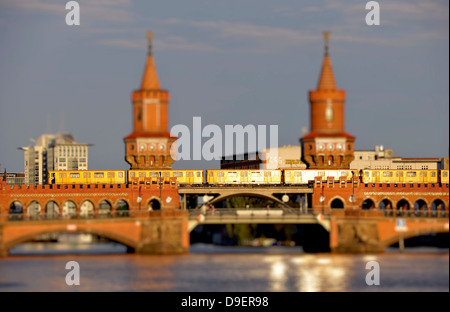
(53, 152)
(381, 158)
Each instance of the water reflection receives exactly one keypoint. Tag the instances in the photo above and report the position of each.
(218, 269)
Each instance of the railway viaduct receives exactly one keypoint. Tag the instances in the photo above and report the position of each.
(359, 217)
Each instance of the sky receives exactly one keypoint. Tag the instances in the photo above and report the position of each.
(249, 62)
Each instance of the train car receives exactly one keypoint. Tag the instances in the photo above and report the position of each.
(250, 176)
(399, 176)
(443, 176)
(87, 177)
(183, 176)
(298, 176)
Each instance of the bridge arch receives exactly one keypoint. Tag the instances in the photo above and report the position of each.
(154, 203)
(122, 207)
(63, 229)
(439, 203)
(52, 208)
(368, 203)
(69, 208)
(337, 202)
(16, 206)
(87, 208)
(247, 194)
(104, 207)
(404, 203)
(34, 208)
(413, 233)
(385, 204)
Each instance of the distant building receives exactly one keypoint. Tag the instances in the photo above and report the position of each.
(53, 152)
(381, 158)
(244, 161)
(285, 157)
(13, 178)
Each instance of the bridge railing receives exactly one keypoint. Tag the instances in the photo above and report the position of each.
(255, 212)
(79, 215)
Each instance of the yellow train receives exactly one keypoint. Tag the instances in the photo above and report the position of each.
(183, 176)
(443, 176)
(297, 176)
(401, 176)
(250, 176)
(243, 176)
(87, 177)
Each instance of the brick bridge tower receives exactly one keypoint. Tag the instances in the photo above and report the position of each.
(148, 146)
(327, 145)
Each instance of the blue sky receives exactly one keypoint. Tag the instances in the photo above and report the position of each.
(230, 62)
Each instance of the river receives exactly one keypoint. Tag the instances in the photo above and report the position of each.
(209, 268)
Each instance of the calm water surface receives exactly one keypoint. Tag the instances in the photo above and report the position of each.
(221, 269)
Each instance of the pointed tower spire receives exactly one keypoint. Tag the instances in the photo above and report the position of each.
(326, 79)
(150, 79)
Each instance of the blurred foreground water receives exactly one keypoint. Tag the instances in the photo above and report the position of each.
(107, 267)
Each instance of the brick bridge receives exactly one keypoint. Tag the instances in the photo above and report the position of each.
(147, 218)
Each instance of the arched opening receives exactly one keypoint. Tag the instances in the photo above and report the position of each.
(122, 208)
(34, 209)
(69, 209)
(438, 208)
(386, 204)
(51, 209)
(402, 206)
(337, 204)
(368, 204)
(87, 209)
(154, 204)
(420, 208)
(104, 209)
(330, 160)
(16, 210)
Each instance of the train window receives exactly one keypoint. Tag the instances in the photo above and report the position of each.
(112, 175)
(267, 174)
(177, 174)
(297, 174)
(377, 173)
(288, 173)
(445, 174)
(220, 174)
(199, 174)
(276, 173)
(109, 174)
(60, 175)
(140, 174)
(344, 173)
(244, 174)
(120, 174)
(387, 174)
(411, 174)
(74, 175)
(153, 174)
(367, 174)
(433, 174)
(425, 174)
(84, 175)
(89, 174)
(99, 175)
(64, 175)
(211, 174)
(131, 174)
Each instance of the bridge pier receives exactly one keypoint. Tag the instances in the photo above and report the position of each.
(164, 232)
(355, 236)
